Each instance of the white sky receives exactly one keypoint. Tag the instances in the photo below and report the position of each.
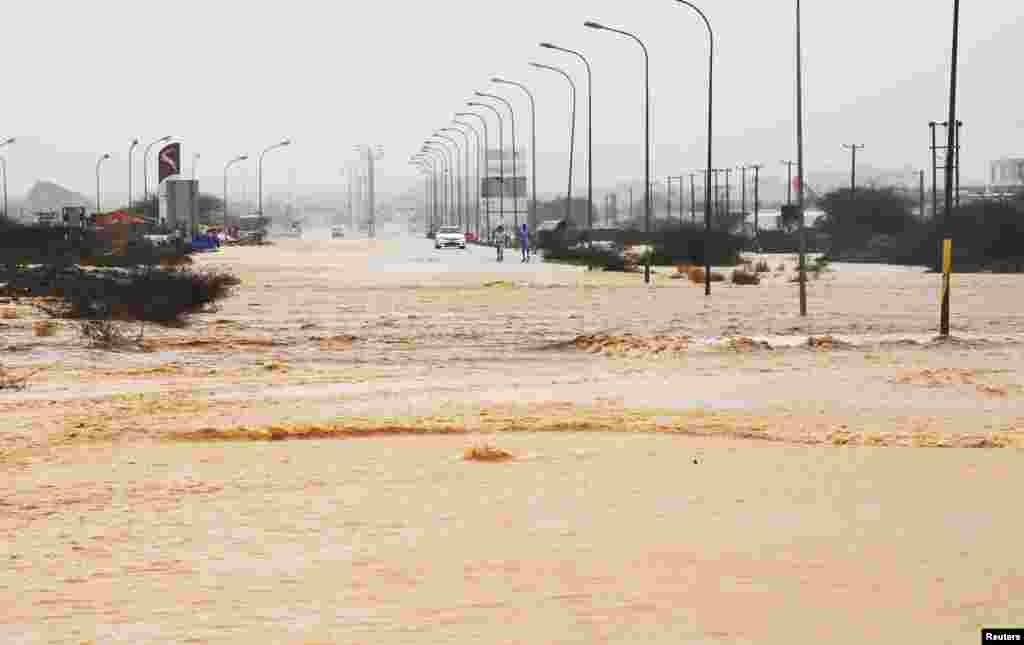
(227, 77)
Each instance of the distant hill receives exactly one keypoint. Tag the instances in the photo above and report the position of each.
(48, 196)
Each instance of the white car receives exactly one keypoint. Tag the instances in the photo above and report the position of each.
(449, 236)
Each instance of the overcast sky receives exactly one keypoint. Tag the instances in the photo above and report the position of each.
(82, 78)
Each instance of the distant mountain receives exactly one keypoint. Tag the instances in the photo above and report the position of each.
(48, 196)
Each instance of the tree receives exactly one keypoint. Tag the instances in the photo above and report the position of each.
(854, 218)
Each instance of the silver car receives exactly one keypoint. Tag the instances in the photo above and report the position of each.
(449, 237)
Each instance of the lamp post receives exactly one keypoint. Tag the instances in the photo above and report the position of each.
(195, 162)
(501, 163)
(436, 158)
(693, 199)
(98, 162)
(533, 147)
(707, 186)
(465, 174)
(757, 198)
(259, 173)
(145, 166)
(460, 204)
(590, 129)
(131, 149)
(479, 152)
(647, 135)
(515, 172)
(3, 143)
(800, 163)
(452, 170)
(226, 166)
(572, 132)
(480, 189)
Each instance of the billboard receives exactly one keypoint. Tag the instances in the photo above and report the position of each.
(180, 206)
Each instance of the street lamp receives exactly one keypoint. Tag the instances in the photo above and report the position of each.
(647, 137)
(98, 162)
(465, 174)
(572, 131)
(226, 166)
(533, 146)
(501, 162)
(145, 166)
(446, 152)
(442, 154)
(480, 190)
(479, 153)
(3, 143)
(515, 173)
(707, 184)
(590, 130)
(259, 171)
(131, 149)
(460, 204)
(481, 149)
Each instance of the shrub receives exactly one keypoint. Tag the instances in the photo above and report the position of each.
(739, 276)
(102, 334)
(44, 328)
(762, 267)
(697, 276)
(487, 453)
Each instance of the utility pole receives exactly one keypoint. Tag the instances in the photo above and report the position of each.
(952, 143)
(668, 199)
(922, 193)
(789, 182)
(757, 202)
(743, 191)
(853, 148)
(693, 202)
(728, 193)
(935, 171)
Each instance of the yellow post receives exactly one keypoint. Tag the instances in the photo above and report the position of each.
(947, 269)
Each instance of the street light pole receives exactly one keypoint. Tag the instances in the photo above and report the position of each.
(452, 171)
(515, 173)
(465, 174)
(3, 143)
(501, 163)
(479, 151)
(483, 155)
(98, 162)
(853, 148)
(131, 149)
(460, 207)
(572, 132)
(145, 166)
(259, 190)
(590, 129)
(707, 187)
(800, 163)
(226, 166)
(693, 199)
(647, 134)
(533, 148)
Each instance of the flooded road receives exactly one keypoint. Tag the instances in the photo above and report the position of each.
(677, 460)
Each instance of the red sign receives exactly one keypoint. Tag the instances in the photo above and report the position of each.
(170, 161)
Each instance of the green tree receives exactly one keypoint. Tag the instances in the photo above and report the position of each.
(854, 219)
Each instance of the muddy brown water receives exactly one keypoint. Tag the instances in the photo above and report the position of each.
(111, 533)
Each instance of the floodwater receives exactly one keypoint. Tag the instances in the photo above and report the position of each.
(685, 468)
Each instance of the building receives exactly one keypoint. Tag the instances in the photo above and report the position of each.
(1007, 172)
